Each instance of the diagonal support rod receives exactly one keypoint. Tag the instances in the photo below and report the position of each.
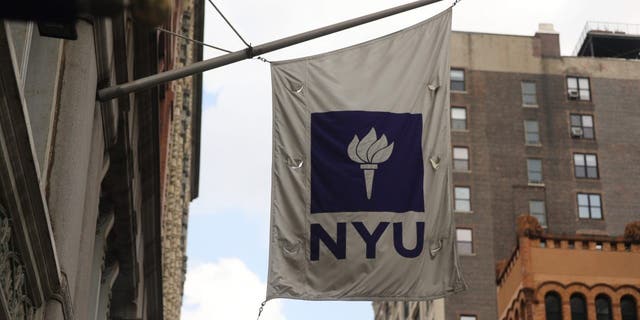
(109, 93)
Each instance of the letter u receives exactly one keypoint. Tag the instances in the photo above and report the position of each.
(398, 243)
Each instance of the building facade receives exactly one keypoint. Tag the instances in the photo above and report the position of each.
(543, 135)
(558, 277)
(181, 119)
(81, 197)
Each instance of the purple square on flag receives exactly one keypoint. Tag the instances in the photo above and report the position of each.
(366, 161)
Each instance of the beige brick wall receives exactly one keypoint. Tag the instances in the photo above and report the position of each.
(178, 193)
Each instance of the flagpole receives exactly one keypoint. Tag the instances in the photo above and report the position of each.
(115, 91)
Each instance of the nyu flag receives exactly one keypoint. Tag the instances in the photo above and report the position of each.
(361, 185)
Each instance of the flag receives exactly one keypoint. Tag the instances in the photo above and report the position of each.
(361, 182)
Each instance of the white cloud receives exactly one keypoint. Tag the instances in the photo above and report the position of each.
(226, 289)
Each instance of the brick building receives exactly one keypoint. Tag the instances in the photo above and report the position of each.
(559, 277)
(540, 134)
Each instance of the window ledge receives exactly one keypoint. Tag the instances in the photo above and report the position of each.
(461, 171)
(532, 106)
(456, 91)
(466, 254)
(578, 100)
(460, 130)
(536, 184)
(463, 212)
(590, 219)
(533, 144)
(588, 179)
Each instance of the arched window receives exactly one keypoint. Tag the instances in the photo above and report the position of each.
(578, 307)
(553, 306)
(629, 308)
(603, 307)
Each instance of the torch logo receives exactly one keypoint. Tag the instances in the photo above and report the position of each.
(347, 145)
(369, 152)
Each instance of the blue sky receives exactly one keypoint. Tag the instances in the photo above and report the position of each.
(229, 222)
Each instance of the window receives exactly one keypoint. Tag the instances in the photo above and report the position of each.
(457, 80)
(628, 308)
(534, 170)
(529, 93)
(582, 126)
(578, 307)
(536, 209)
(462, 199)
(531, 132)
(405, 309)
(467, 317)
(603, 307)
(585, 165)
(589, 206)
(578, 88)
(553, 306)
(464, 242)
(458, 118)
(460, 158)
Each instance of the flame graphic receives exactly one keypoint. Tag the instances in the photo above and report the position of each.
(369, 152)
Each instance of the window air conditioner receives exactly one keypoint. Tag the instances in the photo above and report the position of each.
(574, 94)
(576, 132)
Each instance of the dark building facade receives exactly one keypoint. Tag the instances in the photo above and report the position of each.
(81, 194)
(536, 133)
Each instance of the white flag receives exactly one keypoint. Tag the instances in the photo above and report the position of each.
(361, 185)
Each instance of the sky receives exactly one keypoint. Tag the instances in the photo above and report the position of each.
(229, 222)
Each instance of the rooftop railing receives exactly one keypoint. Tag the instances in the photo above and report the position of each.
(610, 27)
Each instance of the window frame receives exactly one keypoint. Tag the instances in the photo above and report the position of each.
(544, 212)
(581, 126)
(601, 314)
(466, 119)
(537, 132)
(463, 81)
(585, 166)
(471, 243)
(529, 171)
(524, 94)
(589, 206)
(456, 160)
(633, 310)
(468, 200)
(549, 314)
(580, 90)
(584, 312)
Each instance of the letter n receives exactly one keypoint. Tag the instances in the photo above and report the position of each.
(337, 247)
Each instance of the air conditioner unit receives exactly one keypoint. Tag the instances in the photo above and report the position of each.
(576, 132)
(574, 94)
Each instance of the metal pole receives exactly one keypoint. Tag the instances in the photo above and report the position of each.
(201, 66)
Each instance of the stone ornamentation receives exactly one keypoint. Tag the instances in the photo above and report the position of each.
(12, 275)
